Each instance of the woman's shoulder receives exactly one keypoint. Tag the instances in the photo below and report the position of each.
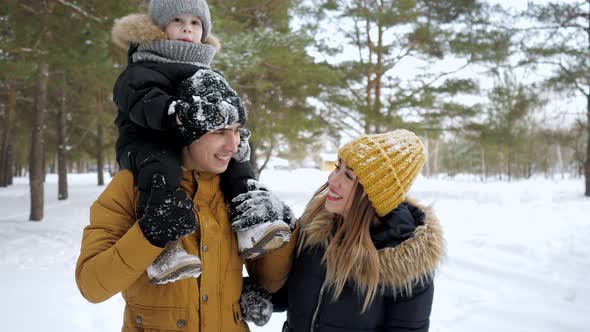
(414, 250)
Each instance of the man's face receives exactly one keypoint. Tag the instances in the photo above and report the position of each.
(187, 28)
(213, 151)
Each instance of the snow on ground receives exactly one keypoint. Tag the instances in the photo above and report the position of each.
(517, 254)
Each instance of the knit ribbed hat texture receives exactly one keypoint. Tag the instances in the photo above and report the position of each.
(386, 165)
(163, 12)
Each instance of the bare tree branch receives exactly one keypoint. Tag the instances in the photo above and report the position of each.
(80, 10)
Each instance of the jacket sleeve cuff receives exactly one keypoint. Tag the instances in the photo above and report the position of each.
(138, 257)
(272, 270)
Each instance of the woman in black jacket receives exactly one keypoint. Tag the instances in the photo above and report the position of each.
(366, 256)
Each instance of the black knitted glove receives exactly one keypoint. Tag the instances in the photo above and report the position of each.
(258, 206)
(256, 303)
(168, 215)
(165, 163)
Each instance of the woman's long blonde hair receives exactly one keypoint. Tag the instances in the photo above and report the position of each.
(350, 254)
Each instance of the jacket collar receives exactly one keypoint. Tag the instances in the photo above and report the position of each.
(201, 187)
(412, 259)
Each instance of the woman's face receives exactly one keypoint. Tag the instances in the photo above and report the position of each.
(341, 183)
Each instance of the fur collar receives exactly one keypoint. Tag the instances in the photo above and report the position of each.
(401, 267)
(139, 28)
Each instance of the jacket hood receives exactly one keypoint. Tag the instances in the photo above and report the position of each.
(139, 28)
(411, 256)
(416, 259)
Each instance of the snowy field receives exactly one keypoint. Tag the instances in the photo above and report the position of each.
(518, 257)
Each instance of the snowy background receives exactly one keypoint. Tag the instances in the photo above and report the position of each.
(518, 257)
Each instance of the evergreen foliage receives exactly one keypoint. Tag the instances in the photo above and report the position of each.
(315, 71)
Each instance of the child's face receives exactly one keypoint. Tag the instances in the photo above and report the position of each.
(187, 28)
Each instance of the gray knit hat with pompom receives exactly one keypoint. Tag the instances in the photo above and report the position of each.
(163, 12)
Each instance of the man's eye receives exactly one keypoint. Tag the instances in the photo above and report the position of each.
(196, 23)
(349, 176)
(177, 20)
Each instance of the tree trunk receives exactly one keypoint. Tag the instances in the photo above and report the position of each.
(109, 167)
(368, 73)
(52, 166)
(99, 139)
(19, 170)
(79, 167)
(509, 166)
(426, 169)
(36, 157)
(560, 165)
(369, 88)
(482, 170)
(44, 159)
(434, 157)
(587, 165)
(5, 166)
(9, 165)
(378, 70)
(62, 144)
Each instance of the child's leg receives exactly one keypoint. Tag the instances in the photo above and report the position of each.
(149, 159)
(174, 263)
(259, 239)
(145, 160)
(260, 235)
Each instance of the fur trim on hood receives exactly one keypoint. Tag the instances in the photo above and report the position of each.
(412, 262)
(138, 28)
(416, 259)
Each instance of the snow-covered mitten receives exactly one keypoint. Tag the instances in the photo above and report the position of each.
(256, 303)
(148, 164)
(243, 154)
(261, 221)
(169, 216)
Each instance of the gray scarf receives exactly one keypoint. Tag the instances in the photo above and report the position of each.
(175, 51)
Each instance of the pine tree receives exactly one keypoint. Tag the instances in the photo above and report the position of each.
(561, 39)
(68, 44)
(503, 133)
(267, 63)
(388, 35)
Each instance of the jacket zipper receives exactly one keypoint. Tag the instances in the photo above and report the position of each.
(317, 308)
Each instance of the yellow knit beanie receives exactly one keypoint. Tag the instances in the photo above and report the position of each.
(386, 165)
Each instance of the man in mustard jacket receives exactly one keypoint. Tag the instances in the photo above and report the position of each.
(117, 248)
